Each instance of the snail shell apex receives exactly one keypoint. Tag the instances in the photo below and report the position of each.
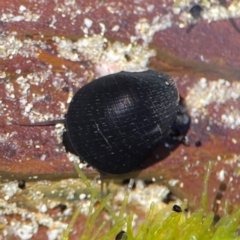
(114, 122)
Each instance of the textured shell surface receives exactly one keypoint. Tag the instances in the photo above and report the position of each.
(115, 122)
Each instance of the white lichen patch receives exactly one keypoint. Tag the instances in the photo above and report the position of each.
(27, 106)
(9, 189)
(115, 28)
(10, 45)
(76, 160)
(73, 158)
(53, 233)
(4, 137)
(173, 182)
(233, 160)
(221, 175)
(146, 30)
(9, 90)
(24, 230)
(154, 193)
(99, 51)
(24, 14)
(42, 207)
(34, 78)
(3, 74)
(45, 195)
(143, 196)
(212, 10)
(231, 118)
(29, 222)
(58, 132)
(203, 93)
(70, 9)
(88, 22)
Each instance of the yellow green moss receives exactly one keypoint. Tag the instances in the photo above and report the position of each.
(159, 224)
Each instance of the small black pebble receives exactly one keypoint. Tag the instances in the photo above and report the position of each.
(196, 11)
(22, 184)
(148, 182)
(128, 58)
(121, 236)
(177, 208)
(223, 3)
(216, 218)
(169, 198)
(62, 207)
(198, 143)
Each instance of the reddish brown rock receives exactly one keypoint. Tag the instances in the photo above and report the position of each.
(45, 58)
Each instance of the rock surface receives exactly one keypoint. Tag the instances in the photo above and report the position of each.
(49, 49)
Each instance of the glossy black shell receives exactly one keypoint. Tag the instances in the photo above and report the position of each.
(114, 122)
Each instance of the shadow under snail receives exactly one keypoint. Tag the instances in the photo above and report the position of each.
(114, 122)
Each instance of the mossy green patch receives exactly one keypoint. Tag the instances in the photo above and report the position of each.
(159, 224)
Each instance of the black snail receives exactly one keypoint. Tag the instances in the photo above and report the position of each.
(114, 122)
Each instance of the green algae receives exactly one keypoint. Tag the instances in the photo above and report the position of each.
(158, 224)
